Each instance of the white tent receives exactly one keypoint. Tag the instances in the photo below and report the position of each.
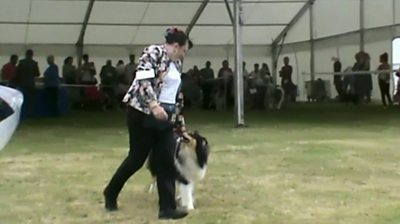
(113, 29)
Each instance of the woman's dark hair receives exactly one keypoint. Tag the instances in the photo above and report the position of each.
(175, 35)
(384, 57)
(67, 60)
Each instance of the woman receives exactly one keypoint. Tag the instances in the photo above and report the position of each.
(69, 71)
(384, 78)
(152, 111)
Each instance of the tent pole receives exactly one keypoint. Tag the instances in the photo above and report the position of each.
(239, 104)
(80, 42)
(312, 43)
(362, 26)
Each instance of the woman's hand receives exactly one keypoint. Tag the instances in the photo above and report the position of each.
(159, 112)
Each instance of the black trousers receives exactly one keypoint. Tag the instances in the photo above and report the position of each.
(29, 100)
(207, 89)
(384, 87)
(338, 86)
(52, 96)
(146, 137)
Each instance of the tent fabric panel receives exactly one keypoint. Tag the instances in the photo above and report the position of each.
(109, 34)
(335, 17)
(214, 35)
(397, 9)
(259, 35)
(301, 30)
(215, 13)
(14, 11)
(53, 34)
(117, 12)
(148, 35)
(378, 13)
(179, 13)
(262, 13)
(58, 11)
(12, 34)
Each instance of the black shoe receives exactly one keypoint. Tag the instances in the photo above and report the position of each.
(172, 214)
(110, 202)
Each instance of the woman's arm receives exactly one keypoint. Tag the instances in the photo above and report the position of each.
(151, 66)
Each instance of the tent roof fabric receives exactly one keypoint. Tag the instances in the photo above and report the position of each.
(140, 22)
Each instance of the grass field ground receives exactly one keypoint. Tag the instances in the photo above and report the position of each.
(328, 164)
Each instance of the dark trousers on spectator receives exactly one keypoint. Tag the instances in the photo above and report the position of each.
(29, 100)
(52, 97)
(145, 135)
(384, 87)
(207, 89)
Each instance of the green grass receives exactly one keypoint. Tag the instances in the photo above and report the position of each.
(327, 164)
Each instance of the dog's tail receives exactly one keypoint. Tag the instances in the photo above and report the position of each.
(281, 98)
(178, 168)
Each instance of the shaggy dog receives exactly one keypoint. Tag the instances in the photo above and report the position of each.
(191, 159)
(274, 97)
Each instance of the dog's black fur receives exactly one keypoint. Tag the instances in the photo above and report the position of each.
(202, 151)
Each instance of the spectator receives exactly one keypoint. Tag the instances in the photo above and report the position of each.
(265, 73)
(130, 70)
(88, 71)
(27, 70)
(121, 86)
(226, 74)
(337, 79)
(384, 78)
(286, 80)
(363, 82)
(120, 68)
(225, 71)
(9, 70)
(108, 77)
(206, 75)
(51, 84)
(69, 71)
(196, 75)
(286, 72)
(245, 72)
(259, 84)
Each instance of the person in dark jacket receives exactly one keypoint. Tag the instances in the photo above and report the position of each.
(27, 70)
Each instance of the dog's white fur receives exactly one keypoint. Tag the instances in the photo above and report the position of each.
(190, 169)
(270, 100)
(220, 101)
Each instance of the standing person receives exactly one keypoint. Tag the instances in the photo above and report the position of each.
(51, 84)
(130, 69)
(152, 109)
(88, 71)
(384, 78)
(69, 71)
(286, 80)
(108, 76)
(207, 74)
(27, 71)
(226, 74)
(337, 79)
(9, 71)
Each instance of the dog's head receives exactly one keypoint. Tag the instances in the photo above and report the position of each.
(200, 145)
